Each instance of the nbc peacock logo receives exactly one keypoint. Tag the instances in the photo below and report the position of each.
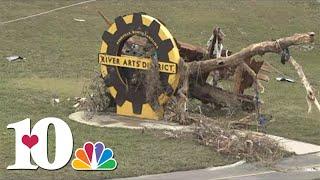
(94, 157)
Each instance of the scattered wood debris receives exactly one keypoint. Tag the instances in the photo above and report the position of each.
(55, 101)
(79, 20)
(80, 102)
(285, 79)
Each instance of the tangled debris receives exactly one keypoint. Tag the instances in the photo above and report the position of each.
(176, 109)
(243, 145)
(153, 83)
(96, 98)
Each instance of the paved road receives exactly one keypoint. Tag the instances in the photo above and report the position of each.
(297, 167)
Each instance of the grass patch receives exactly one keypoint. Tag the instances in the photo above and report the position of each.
(55, 86)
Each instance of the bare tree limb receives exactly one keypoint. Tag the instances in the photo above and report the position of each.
(311, 97)
(250, 51)
(106, 20)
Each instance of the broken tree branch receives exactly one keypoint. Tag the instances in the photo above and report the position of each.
(253, 75)
(311, 97)
(250, 51)
(106, 20)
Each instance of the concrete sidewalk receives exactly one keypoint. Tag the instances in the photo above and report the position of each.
(297, 167)
(298, 147)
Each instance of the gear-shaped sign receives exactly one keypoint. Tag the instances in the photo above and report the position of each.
(131, 100)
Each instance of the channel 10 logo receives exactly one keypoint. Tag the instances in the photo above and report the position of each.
(33, 143)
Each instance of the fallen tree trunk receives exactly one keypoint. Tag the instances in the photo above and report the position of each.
(198, 70)
(220, 97)
(200, 67)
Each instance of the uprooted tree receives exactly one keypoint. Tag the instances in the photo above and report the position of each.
(245, 70)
